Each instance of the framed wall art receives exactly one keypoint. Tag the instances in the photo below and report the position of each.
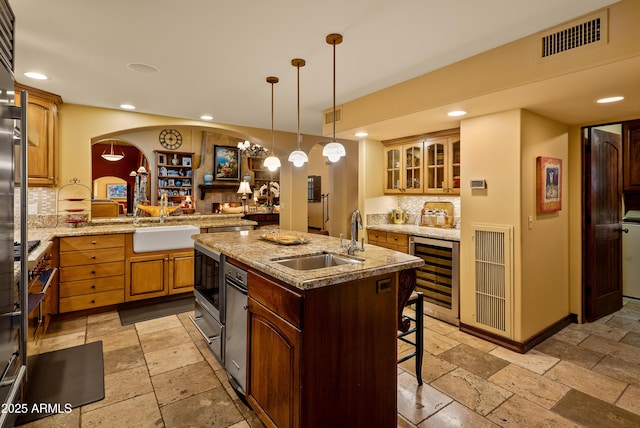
(226, 163)
(548, 184)
(116, 191)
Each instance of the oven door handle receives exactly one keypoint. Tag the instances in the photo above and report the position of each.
(54, 271)
(208, 339)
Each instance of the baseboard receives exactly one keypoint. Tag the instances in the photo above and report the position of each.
(520, 347)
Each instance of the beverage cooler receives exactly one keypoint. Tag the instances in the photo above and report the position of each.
(438, 279)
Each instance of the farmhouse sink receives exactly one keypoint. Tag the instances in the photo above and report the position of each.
(317, 261)
(161, 238)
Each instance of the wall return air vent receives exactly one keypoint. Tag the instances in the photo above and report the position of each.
(577, 34)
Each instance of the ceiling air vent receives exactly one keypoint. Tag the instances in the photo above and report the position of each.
(6, 35)
(575, 35)
(328, 116)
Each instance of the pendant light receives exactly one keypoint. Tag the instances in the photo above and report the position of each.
(272, 162)
(111, 156)
(298, 157)
(334, 150)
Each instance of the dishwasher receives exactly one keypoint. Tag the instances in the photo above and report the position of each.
(235, 359)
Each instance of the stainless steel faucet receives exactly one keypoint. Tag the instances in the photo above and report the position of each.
(164, 202)
(356, 223)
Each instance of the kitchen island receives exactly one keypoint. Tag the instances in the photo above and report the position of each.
(321, 343)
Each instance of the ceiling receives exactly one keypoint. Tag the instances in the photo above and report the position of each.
(213, 56)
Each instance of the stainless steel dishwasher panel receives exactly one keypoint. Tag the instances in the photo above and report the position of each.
(235, 359)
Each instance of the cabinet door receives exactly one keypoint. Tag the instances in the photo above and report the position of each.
(273, 367)
(454, 166)
(146, 277)
(413, 167)
(435, 165)
(631, 156)
(41, 128)
(393, 165)
(181, 272)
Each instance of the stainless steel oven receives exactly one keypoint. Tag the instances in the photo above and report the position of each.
(209, 298)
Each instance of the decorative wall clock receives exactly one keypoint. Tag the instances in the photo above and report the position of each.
(170, 139)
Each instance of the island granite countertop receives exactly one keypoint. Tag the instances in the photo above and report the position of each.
(260, 254)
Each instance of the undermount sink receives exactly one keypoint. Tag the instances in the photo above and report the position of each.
(317, 261)
(160, 238)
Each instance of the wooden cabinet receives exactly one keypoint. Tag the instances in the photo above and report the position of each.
(273, 354)
(404, 168)
(157, 274)
(42, 133)
(631, 156)
(425, 164)
(392, 240)
(442, 165)
(309, 354)
(174, 176)
(91, 271)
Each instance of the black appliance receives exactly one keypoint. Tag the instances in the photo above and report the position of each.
(209, 297)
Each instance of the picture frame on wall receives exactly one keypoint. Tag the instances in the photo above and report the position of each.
(226, 163)
(186, 161)
(116, 191)
(548, 184)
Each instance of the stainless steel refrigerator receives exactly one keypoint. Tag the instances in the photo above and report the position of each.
(13, 227)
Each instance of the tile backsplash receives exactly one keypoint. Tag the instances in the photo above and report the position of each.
(378, 210)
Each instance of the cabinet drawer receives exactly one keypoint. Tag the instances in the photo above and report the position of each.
(76, 243)
(277, 298)
(76, 258)
(398, 239)
(88, 286)
(88, 301)
(374, 236)
(100, 270)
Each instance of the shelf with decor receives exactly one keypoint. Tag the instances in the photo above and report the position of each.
(73, 203)
(174, 175)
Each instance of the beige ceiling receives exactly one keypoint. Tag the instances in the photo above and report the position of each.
(213, 56)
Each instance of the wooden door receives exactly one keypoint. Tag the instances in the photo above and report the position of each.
(181, 272)
(631, 156)
(146, 277)
(602, 227)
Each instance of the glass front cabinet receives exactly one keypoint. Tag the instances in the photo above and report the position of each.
(404, 172)
(442, 164)
(427, 164)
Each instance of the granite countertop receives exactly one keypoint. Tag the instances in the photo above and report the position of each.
(123, 225)
(424, 231)
(249, 248)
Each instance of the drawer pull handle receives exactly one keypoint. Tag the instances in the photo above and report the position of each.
(93, 286)
(93, 301)
(93, 272)
(94, 242)
(93, 257)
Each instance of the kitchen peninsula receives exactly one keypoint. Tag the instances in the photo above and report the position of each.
(321, 345)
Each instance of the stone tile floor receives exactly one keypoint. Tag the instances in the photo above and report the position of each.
(159, 373)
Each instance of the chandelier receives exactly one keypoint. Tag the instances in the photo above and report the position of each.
(111, 156)
(253, 150)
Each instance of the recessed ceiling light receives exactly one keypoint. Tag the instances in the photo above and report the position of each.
(456, 113)
(127, 106)
(609, 100)
(361, 134)
(206, 117)
(34, 75)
